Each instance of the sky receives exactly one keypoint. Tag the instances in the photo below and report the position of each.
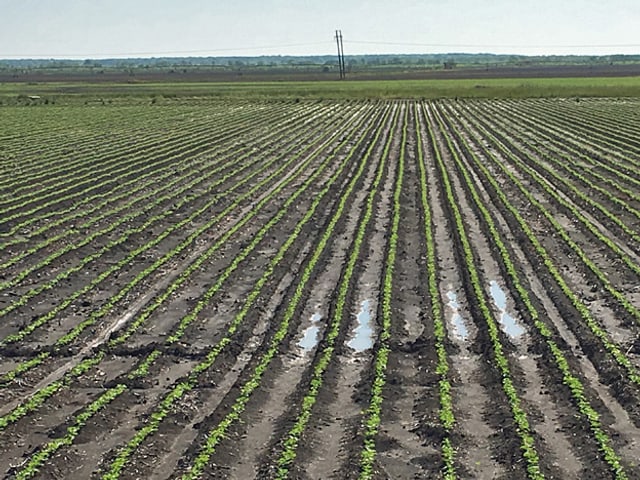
(83, 29)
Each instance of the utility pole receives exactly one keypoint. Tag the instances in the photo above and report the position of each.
(344, 67)
(341, 64)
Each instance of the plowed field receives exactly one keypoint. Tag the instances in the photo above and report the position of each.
(316, 290)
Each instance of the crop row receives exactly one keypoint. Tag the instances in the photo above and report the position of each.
(446, 414)
(382, 349)
(611, 138)
(582, 309)
(66, 155)
(570, 379)
(181, 247)
(175, 198)
(162, 151)
(179, 390)
(183, 141)
(75, 174)
(501, 362)
(66, 131)
(182, 300)
(576, 213)
(610, 159)
(182, 387)
(573, 191)
(324, 357)
(178, 163)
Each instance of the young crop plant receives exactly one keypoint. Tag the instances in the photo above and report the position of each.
(87, 240)
(520, 419)
(40, 397)
(165, 177)
(575, 212)
(447, 417)
(215, 435)
(372, 414)
(292, 439)
(95, 316)
(594, 154)
(589, 133)
(599, 332)
(45, 393)
(37, 460)
(599, 164)
(198, 318)
(178, 158)
(219, 243)
(569, 379)
(160, 414)
(166, 149)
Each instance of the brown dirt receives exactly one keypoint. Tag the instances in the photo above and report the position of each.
(316, 74)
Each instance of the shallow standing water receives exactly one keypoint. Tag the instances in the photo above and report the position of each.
(459, 328)
(310, 337)
(363, 333)
(509, 324)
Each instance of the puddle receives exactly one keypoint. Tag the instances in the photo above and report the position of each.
(363, 334)
(509, 324)
(459, 328)
(310, 338)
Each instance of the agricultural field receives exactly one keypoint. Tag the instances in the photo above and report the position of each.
(318, 289)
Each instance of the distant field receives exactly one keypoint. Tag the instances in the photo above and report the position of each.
(139, 91)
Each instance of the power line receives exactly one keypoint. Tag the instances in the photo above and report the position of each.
(477, 45)
(214, 51)
(204, 52)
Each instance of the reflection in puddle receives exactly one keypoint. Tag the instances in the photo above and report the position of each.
(310, 338)
(363, 334)
(509, 324)
(459, 328)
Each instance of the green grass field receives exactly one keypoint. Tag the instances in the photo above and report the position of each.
(339, 90)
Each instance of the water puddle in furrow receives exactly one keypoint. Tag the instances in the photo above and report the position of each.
(310, 338)
(363, 334)
(509, 324)
(459, 328)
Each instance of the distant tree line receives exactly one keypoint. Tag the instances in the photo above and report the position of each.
(353, 61)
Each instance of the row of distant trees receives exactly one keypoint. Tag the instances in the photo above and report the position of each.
(322, 60)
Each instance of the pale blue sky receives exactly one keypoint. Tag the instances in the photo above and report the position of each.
(121, 28)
